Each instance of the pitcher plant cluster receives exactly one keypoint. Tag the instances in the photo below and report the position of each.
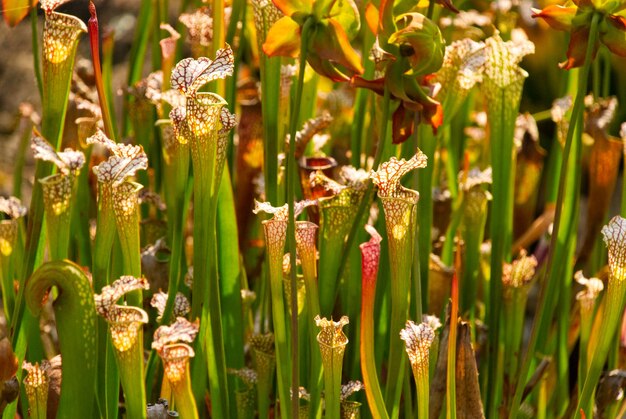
(317, 209)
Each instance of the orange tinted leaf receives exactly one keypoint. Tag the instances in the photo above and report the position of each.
(16, 10)
(558, 17)
(371, 17)
(577, 48)
(402, 124)
(289, 7)
(346, 14)
(613, 34)
(331, 43)
(283, 39)
(326, 68)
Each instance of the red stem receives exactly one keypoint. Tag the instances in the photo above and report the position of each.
(94, 42)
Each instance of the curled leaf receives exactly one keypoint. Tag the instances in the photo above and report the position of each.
(420, 40)
(181, 304)
(281, 213)
(182, 330)
(68, 161)
(350, 388)
(190, 74)
(125, 161)
(520, 272)
(110, 294)
(60, 33)
(331, 336)
(592, 288)
(615, 239)
(199, 26)
(389, 174)
(12, 207)
(418, 338)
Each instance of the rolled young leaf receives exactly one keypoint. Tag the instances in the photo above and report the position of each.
(76, 325)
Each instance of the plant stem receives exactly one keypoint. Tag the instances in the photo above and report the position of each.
(367, 197)
(291, 226)
(555, 255)
(428, 144)
(368, 360)
(35, 47)
(94, 42)
(451, 370)
(309, 261)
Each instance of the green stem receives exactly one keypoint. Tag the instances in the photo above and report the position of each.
(108, 378)
(58, 212)
(20, 158)
(138, 53)
(76, 325)
(275, 249)
(473, 238)
(502, 113)
(185, 404)
(80, 216)
(57, 77)
(130, 364)
(177, 193)
(206, 288)
(586, 323)
(35, 47)
(230, 278)
(428, 144)
(422, 386)
(8, 295)
(128, 233)
(613, 309)
(452, 354)
(363, 210)
(555, 256)
(514, 309)
(309, 270)
(292, 173)
(400, 214)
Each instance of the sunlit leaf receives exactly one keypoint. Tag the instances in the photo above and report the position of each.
(191, 74)
(16, 10)
(283, 38)
(182, 330)
(199, 26)
(12, 207)
(389, 173)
